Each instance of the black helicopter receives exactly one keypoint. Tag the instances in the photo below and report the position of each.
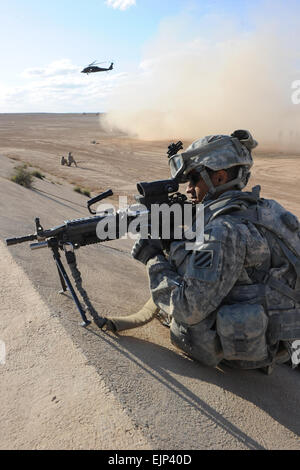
(92, 68)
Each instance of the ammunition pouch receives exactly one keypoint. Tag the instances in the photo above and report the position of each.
(242, 331)
(198, 342)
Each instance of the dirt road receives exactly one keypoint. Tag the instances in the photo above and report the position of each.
(66, 387)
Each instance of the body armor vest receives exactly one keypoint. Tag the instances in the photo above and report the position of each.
(275, 287)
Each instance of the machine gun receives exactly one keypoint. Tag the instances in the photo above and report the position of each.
(73, 234)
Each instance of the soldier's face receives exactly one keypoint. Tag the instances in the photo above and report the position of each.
(196, 187)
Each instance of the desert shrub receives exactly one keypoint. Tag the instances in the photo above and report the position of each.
(22, 176)
(85, 192)
(38, 174)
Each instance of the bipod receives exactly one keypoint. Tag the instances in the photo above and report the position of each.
(66, 283)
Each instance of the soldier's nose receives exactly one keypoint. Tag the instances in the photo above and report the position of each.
(189, 188)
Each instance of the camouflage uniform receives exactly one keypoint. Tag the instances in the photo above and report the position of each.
(71, 159)
(238, 297)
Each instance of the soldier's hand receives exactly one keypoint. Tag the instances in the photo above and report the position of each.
(145, 249)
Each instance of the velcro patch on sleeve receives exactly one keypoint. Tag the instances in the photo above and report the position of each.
(205, 264)
(203, 259)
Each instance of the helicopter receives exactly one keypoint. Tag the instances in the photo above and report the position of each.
(92, 68)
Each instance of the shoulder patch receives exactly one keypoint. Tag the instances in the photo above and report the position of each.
(205, 264)
(203, 259)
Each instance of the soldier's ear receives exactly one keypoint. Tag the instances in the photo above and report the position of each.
(219, 177)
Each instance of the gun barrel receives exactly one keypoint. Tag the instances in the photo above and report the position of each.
(15, 241)
(36, 246)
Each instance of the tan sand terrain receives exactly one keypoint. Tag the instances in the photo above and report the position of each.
(66, 387)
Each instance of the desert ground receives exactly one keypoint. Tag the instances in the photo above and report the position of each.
(66, 387)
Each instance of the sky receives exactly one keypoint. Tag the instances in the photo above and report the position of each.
(45, 44)
(182, 68)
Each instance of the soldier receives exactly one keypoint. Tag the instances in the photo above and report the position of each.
(237, 298)
(63, 161)
(71, 159)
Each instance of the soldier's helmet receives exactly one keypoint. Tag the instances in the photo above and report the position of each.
(216, 152)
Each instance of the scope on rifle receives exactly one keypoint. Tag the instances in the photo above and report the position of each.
(156, 192)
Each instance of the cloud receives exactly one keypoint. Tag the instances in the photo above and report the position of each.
(59, 87)
(120, 4)
(207, 75)
(58, 67)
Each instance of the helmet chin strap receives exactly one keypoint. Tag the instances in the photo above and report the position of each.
(206, 178)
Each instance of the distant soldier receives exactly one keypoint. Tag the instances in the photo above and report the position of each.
(63, 161)
(71, 159)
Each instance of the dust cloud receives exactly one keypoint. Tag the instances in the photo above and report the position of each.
(215, 75)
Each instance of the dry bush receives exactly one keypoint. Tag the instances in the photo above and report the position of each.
(22, 176)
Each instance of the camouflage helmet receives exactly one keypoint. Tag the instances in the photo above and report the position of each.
(216, 152)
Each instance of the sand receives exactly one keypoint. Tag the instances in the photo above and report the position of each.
(66, 387)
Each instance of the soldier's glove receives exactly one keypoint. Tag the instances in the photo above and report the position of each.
(145, 249)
